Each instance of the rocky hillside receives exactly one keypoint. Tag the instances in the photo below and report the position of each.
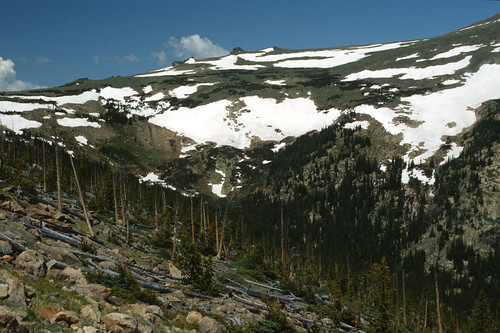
(54, 278)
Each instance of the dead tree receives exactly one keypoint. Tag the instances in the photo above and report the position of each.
(82, 201)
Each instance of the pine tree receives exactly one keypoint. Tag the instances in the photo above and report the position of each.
(382, 294)
(481, 320)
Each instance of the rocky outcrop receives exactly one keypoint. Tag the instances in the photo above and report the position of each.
(210, 325)
(9, 323)
(32, 262)
(120, 323)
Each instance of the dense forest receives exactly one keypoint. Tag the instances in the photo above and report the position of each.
(326, 219)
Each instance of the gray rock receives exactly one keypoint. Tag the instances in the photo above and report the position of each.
(9, 323)
(90, 313)
(67, 317)
(120, 323)
(210, 325)
(16, 294)
(32, 262)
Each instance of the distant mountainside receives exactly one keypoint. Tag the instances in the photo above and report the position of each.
(351, 154)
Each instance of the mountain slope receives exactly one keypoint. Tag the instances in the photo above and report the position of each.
(422, 92)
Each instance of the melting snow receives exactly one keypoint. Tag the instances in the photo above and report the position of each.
(264, 118)
(81, 139)
(147, 89)
(364, 124)
(185, 91)
(77, 122)
(454, 152)
(412, 73)
(278, 146)
(276, 82)
(456, 51)
(437, 110)
(411, 56)
(7, 106)
(16, 123)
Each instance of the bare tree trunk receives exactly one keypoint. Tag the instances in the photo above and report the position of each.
(221, 243)
(114, 198)
(192, 221)
(156, 215)
(175, 227)
(425, 314)
(438, 310)
(201, 215)
(58, 175)
(282, 239)
(404, 298)
(216, 232)
(82, 201)
(44, 167)
(397, 294)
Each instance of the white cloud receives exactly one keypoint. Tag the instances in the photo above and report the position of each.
(195, 46)
(96, 58)
(161, 57)
(131, 58)
(8, 81)
(41, 60)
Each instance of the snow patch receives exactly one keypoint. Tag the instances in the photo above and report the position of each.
(81, 139)
(77, 122)
(16, 123)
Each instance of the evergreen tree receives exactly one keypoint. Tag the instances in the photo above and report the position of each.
(481, 320)
(382, 294)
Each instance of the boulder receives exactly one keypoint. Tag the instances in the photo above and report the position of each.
(67, 317)
(210, 325)
(138, 309)
(47, 312)
(96, 291)
(9, 323)
(16, 294)
(89, 329)
(90, 313)
(155, 309)
(174, 271)
(32, 262)
(61, 255)
(193, 317)
(120, 323)
(72, 274)
(4, 290)
(107, 265)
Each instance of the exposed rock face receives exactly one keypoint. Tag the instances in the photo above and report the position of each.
(47, 311)
(193, 317)
(96, 291)
(9, 323)
(174, 271)
(120, 323)
(90, 313)
(210, 325)
(67, 317)
(16, 294)
(32, 262)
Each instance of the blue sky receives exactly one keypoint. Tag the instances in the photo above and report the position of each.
(52, 42)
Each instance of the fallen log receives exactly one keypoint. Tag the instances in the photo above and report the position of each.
(14, 243)
(64, 210)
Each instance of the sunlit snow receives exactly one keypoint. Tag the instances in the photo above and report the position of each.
(81, 139)
(77, 122)
(456, 51)
(437, 110)
(16, 123)
(412, 73)
(263, 118)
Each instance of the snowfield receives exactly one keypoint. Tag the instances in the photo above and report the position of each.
(412, 73)
(435, 112)
(77, 122)
(16, 123)
(262, 118)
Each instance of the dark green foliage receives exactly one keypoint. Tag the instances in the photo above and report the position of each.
(197, 270)
(481, 320)
(275, 322)
(382, 294)
(124, 286)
